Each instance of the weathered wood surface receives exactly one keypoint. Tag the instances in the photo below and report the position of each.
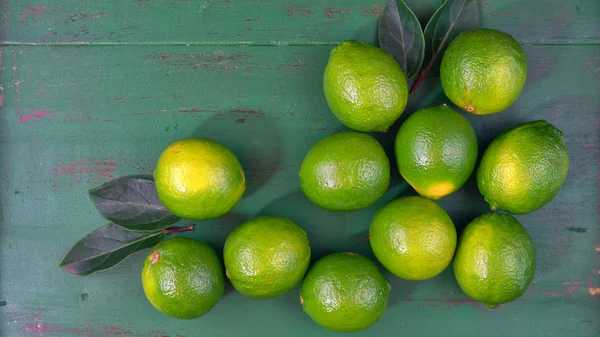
(74, 116)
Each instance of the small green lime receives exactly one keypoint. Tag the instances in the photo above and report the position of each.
(344, 292)
(364, 86)
(266, 256)
(199, 179)
(483, 71)
(346, 171)
(495, 259)
(436, 151)
(413, 238)
(183, 278)
(524, 168)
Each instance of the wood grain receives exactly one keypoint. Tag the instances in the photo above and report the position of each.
(270, 22)
(75, 116)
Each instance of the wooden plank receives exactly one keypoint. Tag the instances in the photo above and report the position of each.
(73, 118)
(270, 21)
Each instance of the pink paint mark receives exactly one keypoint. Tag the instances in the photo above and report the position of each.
(39, 328)
(298, 11)
(42, 90)
(78, 167)
(32, 12)
(117, 331)
(409, 299)
(105, 172)
(558, 115)
(26, 118)
(330, 13)
(109, 163)
(375, 10)
(1, 101)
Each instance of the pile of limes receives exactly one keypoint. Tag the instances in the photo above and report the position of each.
(482, 72)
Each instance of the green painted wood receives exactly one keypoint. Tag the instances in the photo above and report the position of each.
(74, 117)
(270, 21)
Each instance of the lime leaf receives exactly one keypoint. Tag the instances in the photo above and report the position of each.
(106, 247)
(132, 203)
(450, 20)
(401, 36)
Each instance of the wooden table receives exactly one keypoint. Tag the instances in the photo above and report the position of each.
(93, 89)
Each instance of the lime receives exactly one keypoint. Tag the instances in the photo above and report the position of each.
(413, 238)
(523, 168)
(436, 151)
(266, 256)
(346, 171)
(199, 179)
(483, 71)
(364, 86)
(183, 278)
(495, 259)
(344, 292)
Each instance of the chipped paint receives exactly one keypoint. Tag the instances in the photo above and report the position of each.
(36, 115)
(32, 12)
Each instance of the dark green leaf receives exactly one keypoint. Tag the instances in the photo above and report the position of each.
(450, 20)
(106, 247)
(401, 36)
(132, 202)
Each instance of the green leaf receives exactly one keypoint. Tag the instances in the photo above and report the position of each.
(401, 36)
(450, 20)
(106, 247)
(132, 203)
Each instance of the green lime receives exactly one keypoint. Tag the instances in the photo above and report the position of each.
(344, 292)
(495, 259)
(523, 168)
(346, 171)
(483, 71)
(413, 238)
(199, 179)
(364, 86)
(183, 278)
(266, 256)
(436, 151)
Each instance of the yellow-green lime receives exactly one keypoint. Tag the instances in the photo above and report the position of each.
(199, 179)
(344, 292)
(436, 151)
(266, 256)
(413, 238)
(523, 168)
(364, 86)
(346, 171)
(483, 71)
(183, 278)
(495, 259)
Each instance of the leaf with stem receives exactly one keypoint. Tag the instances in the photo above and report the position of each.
(401, 36)
(107, 246)
(131, 202)
(450, 20)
